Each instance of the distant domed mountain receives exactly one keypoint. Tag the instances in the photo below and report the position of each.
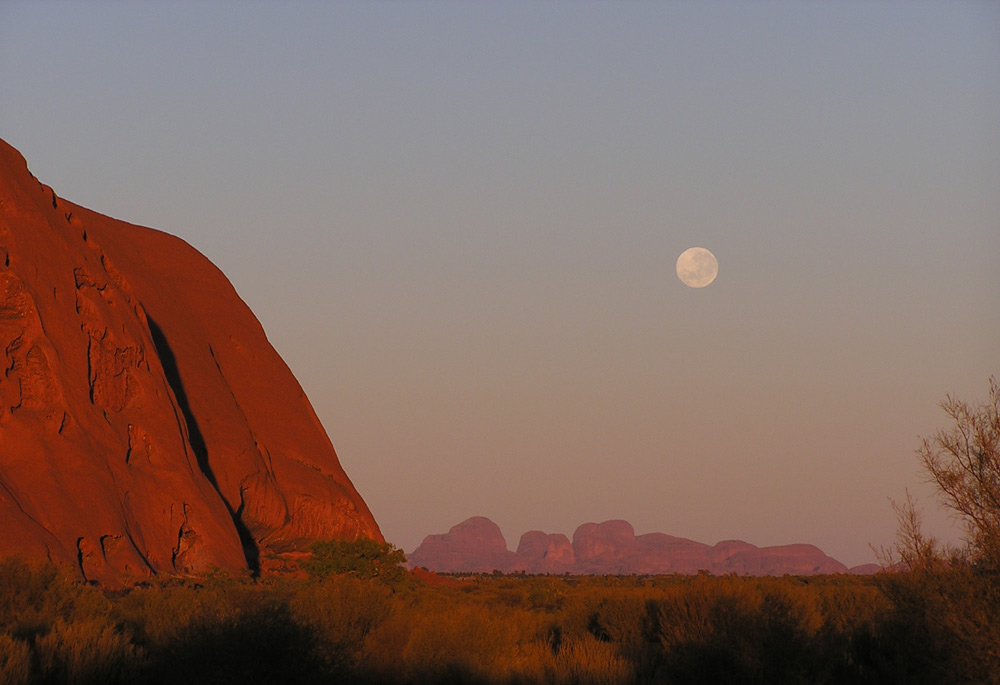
(146, 424)
(612, 548)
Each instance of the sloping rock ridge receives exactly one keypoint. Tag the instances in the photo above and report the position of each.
(146, 424)
(612, 548)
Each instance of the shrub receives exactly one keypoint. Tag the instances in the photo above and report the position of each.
(15, 661)
(737, 630)
(341, 613)
(363, 558)
(34, 595)
(87, 652)
(254, 638)
(589, 661)
(944, 626)
(964, 463)
(947, 604)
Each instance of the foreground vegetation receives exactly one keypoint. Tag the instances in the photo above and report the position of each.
(928, 626)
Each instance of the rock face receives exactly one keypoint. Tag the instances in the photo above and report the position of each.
(612, 548)
(146, 424)
(544, 553)
(475, 545)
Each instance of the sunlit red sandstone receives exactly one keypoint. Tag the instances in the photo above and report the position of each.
(146, 424)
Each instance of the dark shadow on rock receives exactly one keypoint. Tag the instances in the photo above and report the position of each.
(197, 441)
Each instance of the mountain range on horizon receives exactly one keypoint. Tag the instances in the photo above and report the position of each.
(477, 545)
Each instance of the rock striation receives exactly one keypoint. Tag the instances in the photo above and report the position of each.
(612, 548)
(146, 424)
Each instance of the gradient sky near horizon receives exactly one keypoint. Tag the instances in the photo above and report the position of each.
(458, 224)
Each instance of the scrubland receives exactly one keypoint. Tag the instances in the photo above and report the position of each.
(929, 625)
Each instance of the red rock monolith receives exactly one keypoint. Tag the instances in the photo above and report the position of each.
(146, 424)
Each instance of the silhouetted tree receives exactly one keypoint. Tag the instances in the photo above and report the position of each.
(964, 463)
(945, 623)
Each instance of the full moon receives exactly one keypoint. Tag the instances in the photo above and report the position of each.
(697, 267)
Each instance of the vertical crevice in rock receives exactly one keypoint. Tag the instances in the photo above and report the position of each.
(182, 531)
(91, 372)
(79, 558)
(107, 544)
(251, 550)
(143, 554)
